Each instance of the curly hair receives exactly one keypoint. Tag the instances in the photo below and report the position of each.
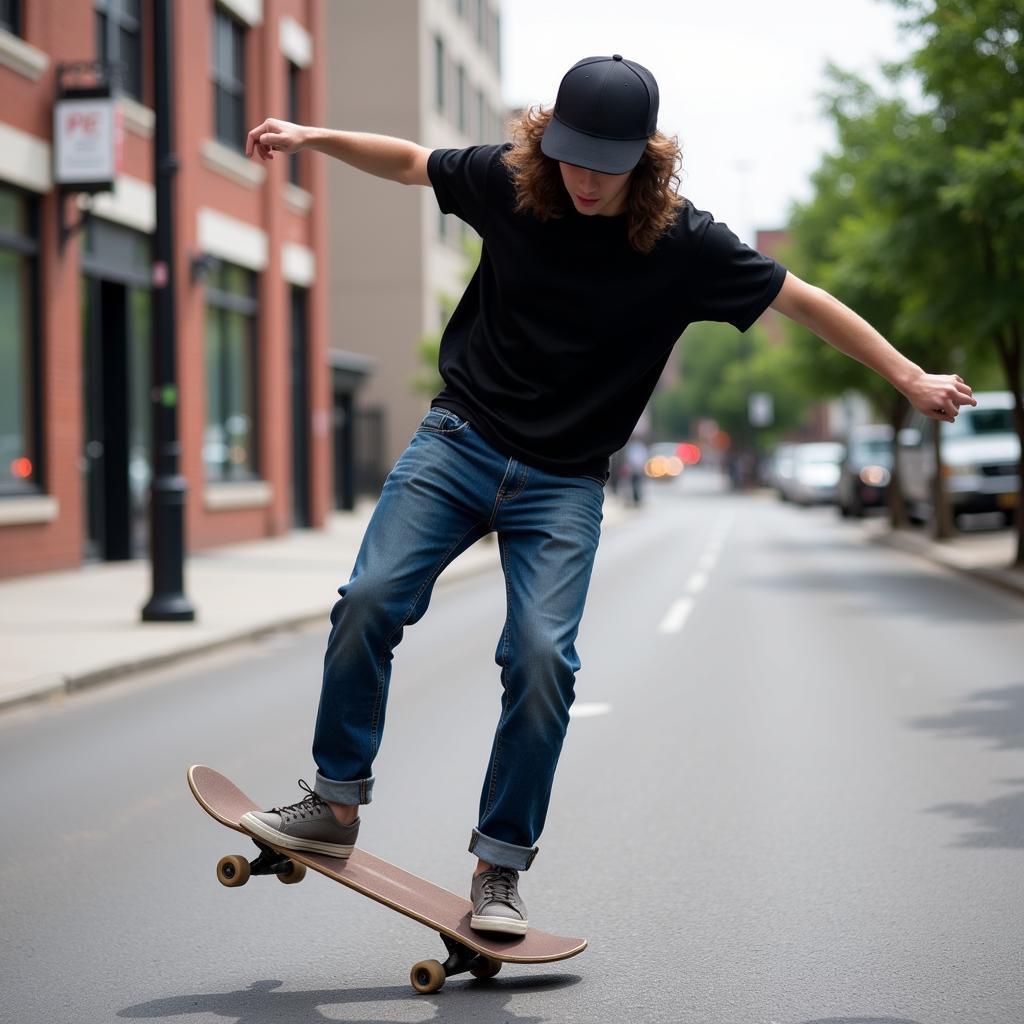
(653, 201)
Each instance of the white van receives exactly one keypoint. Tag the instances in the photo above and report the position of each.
(980, 459)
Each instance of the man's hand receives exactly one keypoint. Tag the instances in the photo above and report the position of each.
(275, 136)
(938, 395)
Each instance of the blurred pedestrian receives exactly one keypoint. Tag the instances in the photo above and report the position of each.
(636, 468)
(592, 266)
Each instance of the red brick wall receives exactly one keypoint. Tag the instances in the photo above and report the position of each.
(60, 30)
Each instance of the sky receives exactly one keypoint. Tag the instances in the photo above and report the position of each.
(740, 82)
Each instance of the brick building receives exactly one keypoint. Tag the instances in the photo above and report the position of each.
(254, 390)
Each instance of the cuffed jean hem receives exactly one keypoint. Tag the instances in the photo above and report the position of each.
(501, 855)
(358, 792)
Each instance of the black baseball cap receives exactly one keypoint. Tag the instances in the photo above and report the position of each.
(606, 110)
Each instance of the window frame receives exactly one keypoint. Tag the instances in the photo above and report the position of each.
(28, 246)
(461, 98)
(15, 22)
(224, 302)
(225, 82)
(440, 75)
(293, 91)
(118, 20)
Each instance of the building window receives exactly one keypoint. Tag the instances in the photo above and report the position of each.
(229, 442)
(19, 376)
(439, 73)
(228, 75)
(460, 98)
(10, 16)
(496, 40)
(119, 40)
(480, 110)
(481, 21)
(294, 115)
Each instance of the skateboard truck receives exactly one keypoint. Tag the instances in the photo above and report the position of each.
(235, 870)
(429, 975)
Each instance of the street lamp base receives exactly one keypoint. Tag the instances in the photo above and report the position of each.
(169, 608)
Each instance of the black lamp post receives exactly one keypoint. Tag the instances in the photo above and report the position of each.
(168, 602)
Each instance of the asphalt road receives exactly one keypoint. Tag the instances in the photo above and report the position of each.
(794, 794)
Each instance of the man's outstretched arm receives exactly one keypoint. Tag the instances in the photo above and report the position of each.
(935, 394)
(380, 155)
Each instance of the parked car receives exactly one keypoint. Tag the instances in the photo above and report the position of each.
(816, 473)
(780, 472)
(866, 470)
(980, 459)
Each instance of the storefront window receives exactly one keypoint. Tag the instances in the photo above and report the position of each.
(19, 464)
(229, 444)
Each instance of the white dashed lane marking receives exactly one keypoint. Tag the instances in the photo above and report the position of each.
(677, 615)
(589, 710)
(680, 609)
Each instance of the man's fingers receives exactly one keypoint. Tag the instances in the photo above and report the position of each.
(252, 139)
(965, 394)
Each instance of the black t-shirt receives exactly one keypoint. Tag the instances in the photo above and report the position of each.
(559, 340)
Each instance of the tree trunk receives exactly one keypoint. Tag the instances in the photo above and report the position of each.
(942, 518)
(1010, 347)
(897, 509)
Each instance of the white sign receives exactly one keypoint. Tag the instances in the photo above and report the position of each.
(87, 141)
(760, 409)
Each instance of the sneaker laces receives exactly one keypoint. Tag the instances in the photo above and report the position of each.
(500, 886)
(305, 808)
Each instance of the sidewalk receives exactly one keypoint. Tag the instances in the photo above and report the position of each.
(984, 555)
(64, 631)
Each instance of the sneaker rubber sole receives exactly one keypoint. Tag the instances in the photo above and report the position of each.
(503, 925)
(264, 831)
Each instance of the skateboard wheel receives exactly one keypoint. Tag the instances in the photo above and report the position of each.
(484, 967)
(295, 873)
(232, 871)
(427, 976)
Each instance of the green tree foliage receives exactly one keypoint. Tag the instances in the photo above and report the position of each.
(428, 382)
(719, 369)
(917, 221)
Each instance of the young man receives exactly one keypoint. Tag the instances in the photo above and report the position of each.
(592, 266)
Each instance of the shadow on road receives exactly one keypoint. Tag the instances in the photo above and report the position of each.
(263, 1003)
(997, 716)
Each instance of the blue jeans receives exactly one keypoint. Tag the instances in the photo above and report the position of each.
(449, 489)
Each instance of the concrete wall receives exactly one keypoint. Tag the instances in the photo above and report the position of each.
(389, 265)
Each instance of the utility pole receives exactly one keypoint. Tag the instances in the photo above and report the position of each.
(168, 602)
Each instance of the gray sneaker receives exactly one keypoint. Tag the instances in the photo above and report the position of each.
(307, 825)
(497, 906)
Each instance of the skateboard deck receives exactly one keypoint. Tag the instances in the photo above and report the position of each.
(445, 912)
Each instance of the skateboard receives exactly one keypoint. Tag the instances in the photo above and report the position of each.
(446, 913)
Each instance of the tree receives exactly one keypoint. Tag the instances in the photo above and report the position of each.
(971, 68)
(719, 369)
(860, 238)
(884, 234)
